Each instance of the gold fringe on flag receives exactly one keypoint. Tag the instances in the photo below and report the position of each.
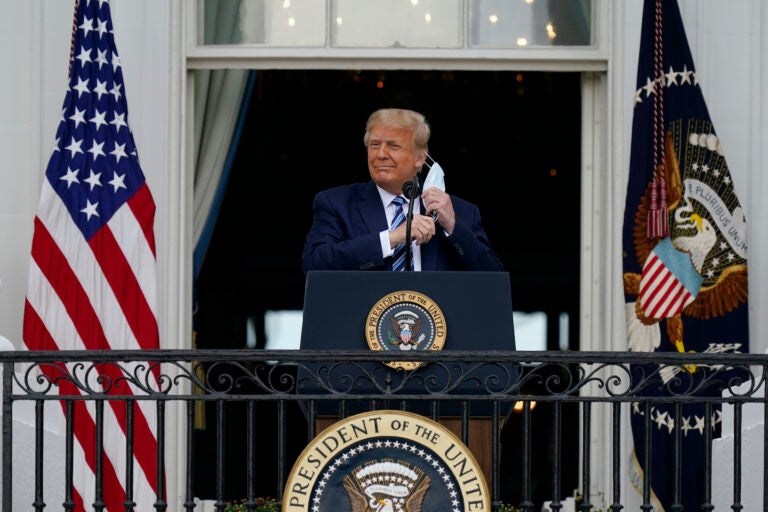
(199, 416)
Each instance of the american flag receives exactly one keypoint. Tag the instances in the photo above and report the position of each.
(684, 261)
(92, 283)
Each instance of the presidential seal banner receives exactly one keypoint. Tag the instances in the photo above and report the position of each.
(386, 461)
(684, 260)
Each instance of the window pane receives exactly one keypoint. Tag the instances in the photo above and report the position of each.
(397, 23)
(505, 23)
(282, 329)
(530, 330)
(273, 23)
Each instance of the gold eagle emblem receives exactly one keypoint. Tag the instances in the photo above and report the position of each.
(386, 486)
(693, 230)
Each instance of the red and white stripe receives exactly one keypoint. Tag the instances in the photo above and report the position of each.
(662, 295)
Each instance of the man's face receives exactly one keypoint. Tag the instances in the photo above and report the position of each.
(392, 158)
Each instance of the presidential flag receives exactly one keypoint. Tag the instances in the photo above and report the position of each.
(684, 257)
(92, 282)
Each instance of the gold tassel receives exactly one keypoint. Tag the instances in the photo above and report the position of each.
(197, 390)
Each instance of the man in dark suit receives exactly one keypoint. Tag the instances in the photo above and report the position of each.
(352, 225)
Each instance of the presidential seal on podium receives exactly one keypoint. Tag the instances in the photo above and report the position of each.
(404, 321)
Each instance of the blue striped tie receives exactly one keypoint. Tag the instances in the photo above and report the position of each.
(398, 256)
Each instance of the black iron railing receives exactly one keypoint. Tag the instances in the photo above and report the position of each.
(247, 414)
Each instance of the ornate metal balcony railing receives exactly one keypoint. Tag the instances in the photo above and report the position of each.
(247, 413)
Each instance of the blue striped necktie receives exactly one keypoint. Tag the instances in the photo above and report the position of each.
(398, 256)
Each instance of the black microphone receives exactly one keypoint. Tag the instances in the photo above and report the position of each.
(410, 189)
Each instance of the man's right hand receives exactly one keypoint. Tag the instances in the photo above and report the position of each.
(422, 231)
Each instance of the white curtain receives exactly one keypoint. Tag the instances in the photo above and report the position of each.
(219, 96)
(218, 101)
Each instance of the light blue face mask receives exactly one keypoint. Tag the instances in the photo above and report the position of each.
(435, 176)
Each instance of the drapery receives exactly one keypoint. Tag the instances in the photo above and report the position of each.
(221, 101)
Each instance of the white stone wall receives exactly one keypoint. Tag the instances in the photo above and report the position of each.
(34, 52)
(752, 447)
(19, 126)
(728, 40)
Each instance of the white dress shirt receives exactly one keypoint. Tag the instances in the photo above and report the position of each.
(389, 209)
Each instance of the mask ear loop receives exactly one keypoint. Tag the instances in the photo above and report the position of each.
(429, 162)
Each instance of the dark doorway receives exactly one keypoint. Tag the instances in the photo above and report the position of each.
(508, 141)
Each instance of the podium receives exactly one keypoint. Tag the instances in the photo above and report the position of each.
(476, 308)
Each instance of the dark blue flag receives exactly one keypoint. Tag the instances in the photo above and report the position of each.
(684, 257)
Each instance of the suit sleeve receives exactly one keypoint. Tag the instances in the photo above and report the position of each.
(336, 240)
(470, 242)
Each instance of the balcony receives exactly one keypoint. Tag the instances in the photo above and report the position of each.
(542, 426)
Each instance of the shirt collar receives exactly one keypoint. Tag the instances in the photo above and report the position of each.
(386, 197)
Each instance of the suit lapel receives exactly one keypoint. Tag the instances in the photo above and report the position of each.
(371, 210)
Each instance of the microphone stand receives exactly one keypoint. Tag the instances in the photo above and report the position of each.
(410, 189)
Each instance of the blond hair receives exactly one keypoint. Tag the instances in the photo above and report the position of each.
(400, 118)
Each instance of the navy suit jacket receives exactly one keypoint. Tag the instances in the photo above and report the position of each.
(345, 231)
